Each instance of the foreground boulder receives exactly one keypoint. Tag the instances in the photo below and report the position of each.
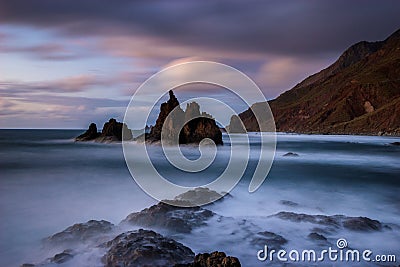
(113, 131)
(198, 125)
(169, 217)
(145, 248)
(80, 232)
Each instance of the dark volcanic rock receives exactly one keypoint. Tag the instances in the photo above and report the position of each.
(362, 224)
(193, 131)
(199, 195)
(90, 134)
(270, 239)
(80, 232)
(113, 131)
(316, 236)
(62, 257)
(172, 218)
(145, 248)
(291, 154)
(351, 223)
(215, 259)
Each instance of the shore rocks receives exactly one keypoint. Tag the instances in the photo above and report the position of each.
(317, 237)
(199, 195)
(113, 131)
(145, 248)
(395, 143)
(216, 258)
(62, 257)
(236, 125)
(80, 232)
(361, 224)
(171, 218)
(273, 240)
(198, 125)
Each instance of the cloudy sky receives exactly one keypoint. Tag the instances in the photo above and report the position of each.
(66, 63)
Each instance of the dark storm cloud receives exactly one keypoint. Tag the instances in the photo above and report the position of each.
(280, 27)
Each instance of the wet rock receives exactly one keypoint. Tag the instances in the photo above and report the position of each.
(80, 232)
(270, 239)
(336, 221)
(317, 237)
(89, 135)
(113, 131)
(289, 203)
(199, 195)
(27, 265)
(169, 217)
(62, 257)
(290, 154)
(362, 224)
(317, 219)
(215, 259)
(395, 143)
(145, 248)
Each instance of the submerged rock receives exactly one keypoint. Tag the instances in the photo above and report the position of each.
(90, 134)
(80, 232)
(395, 143)
(218, 259)
(317, 237)
(145, 248)
(289, 203)
(113, 131)
(172, 218)
(270, 239)
(336, 221)
(290, 154)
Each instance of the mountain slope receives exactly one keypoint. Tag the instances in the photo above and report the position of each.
(358, 94)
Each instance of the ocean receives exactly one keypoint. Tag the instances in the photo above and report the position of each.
(49, 182)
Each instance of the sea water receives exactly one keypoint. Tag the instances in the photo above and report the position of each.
(49, 182)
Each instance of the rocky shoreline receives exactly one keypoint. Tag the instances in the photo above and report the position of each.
(151, 237)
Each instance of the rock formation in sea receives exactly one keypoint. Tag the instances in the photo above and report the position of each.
(236, 125)
(194, 126)
(113, 131)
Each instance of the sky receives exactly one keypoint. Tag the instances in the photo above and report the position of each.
(64, 64)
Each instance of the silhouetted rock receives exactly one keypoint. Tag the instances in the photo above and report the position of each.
(168, 217)
(172, 118)
(291, 154)
(113, 131)
(90, 134)
(395, 143)
(215, 259)
(272, 240)
(236, 125)
(145, 248)
(80, 232)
